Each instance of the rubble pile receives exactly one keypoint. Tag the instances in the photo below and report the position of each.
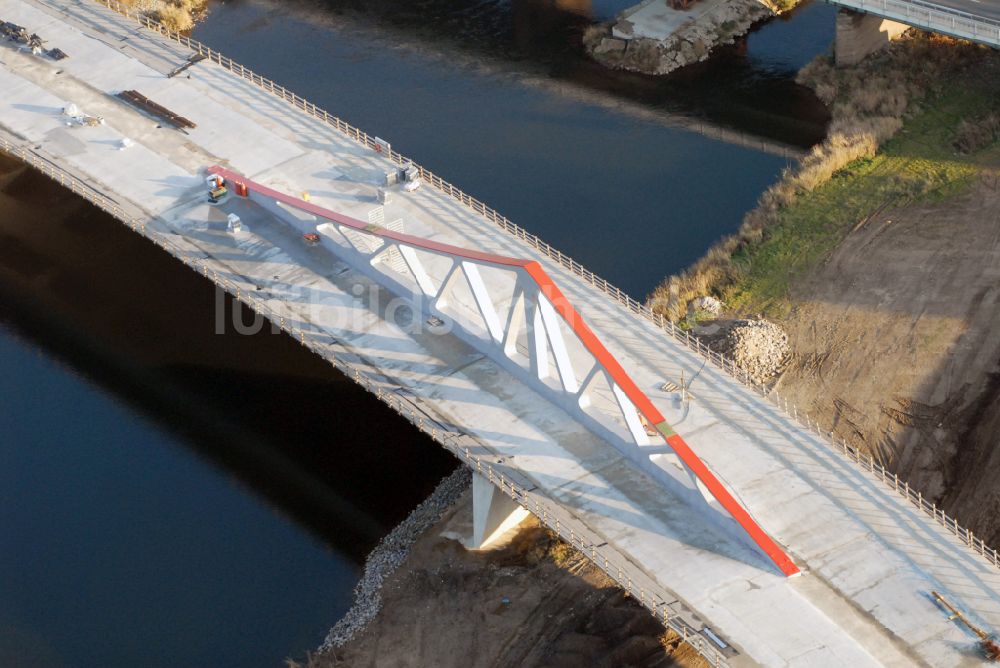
(617, 48)
(758, 347)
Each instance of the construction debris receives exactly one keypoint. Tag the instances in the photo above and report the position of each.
(194, 58)
(31, 41)
(758, 347)
(411, 175)
(21, 35)
(143, 103)
(89, 121)
(988, 646)
(76, 117)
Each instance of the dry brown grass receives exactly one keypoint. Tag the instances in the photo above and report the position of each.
(782, 6)
(177, 15)
(868, 103)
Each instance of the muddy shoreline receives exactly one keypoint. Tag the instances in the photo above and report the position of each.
(389, 554)
(531, 601)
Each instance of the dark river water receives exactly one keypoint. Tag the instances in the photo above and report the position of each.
(174, 497)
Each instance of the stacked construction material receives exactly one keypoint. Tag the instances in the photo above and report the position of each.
(142, 102)
(20, 35)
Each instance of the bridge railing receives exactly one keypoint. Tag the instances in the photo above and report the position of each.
(930, 16)
(370, 142)
(631, 579)
(955, 18)
(551, 325)
(863, 460)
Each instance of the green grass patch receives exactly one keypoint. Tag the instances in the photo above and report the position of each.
(920, 164)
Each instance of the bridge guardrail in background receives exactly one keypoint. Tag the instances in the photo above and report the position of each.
(930, 16)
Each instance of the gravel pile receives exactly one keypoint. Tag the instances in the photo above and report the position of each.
(390, 553)
(758, 347)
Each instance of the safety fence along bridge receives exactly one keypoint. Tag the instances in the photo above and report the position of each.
(975, 20)
(746, 528)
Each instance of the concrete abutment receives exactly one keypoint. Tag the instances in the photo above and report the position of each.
(859, 35)
(493, 513)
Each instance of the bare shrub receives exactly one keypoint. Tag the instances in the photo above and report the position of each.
(976, 134)
(878, 97)
(781, 6)
(821, 76)
(826, 92)
(174, 17)
(879, 128)
(562, 553)
(175, 14)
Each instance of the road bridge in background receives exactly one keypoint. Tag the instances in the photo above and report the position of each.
(975, 20)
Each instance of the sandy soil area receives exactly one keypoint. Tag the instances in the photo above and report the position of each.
(894, 342)
(531, 602)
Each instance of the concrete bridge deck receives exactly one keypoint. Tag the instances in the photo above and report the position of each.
(870, 557)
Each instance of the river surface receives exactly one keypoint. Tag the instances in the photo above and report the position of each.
(170, 496)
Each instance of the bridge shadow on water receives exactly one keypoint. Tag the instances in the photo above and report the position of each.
(259, 406)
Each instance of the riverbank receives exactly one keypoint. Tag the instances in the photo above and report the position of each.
(654, 38)
(175, 14)
(533, 601)
(930, 86)
(389, 554)
(879, 257)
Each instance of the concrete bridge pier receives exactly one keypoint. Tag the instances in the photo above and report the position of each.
(493, 513)
(859, 35)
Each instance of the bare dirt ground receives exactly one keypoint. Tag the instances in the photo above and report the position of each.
(445, 608)
(895, 342)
